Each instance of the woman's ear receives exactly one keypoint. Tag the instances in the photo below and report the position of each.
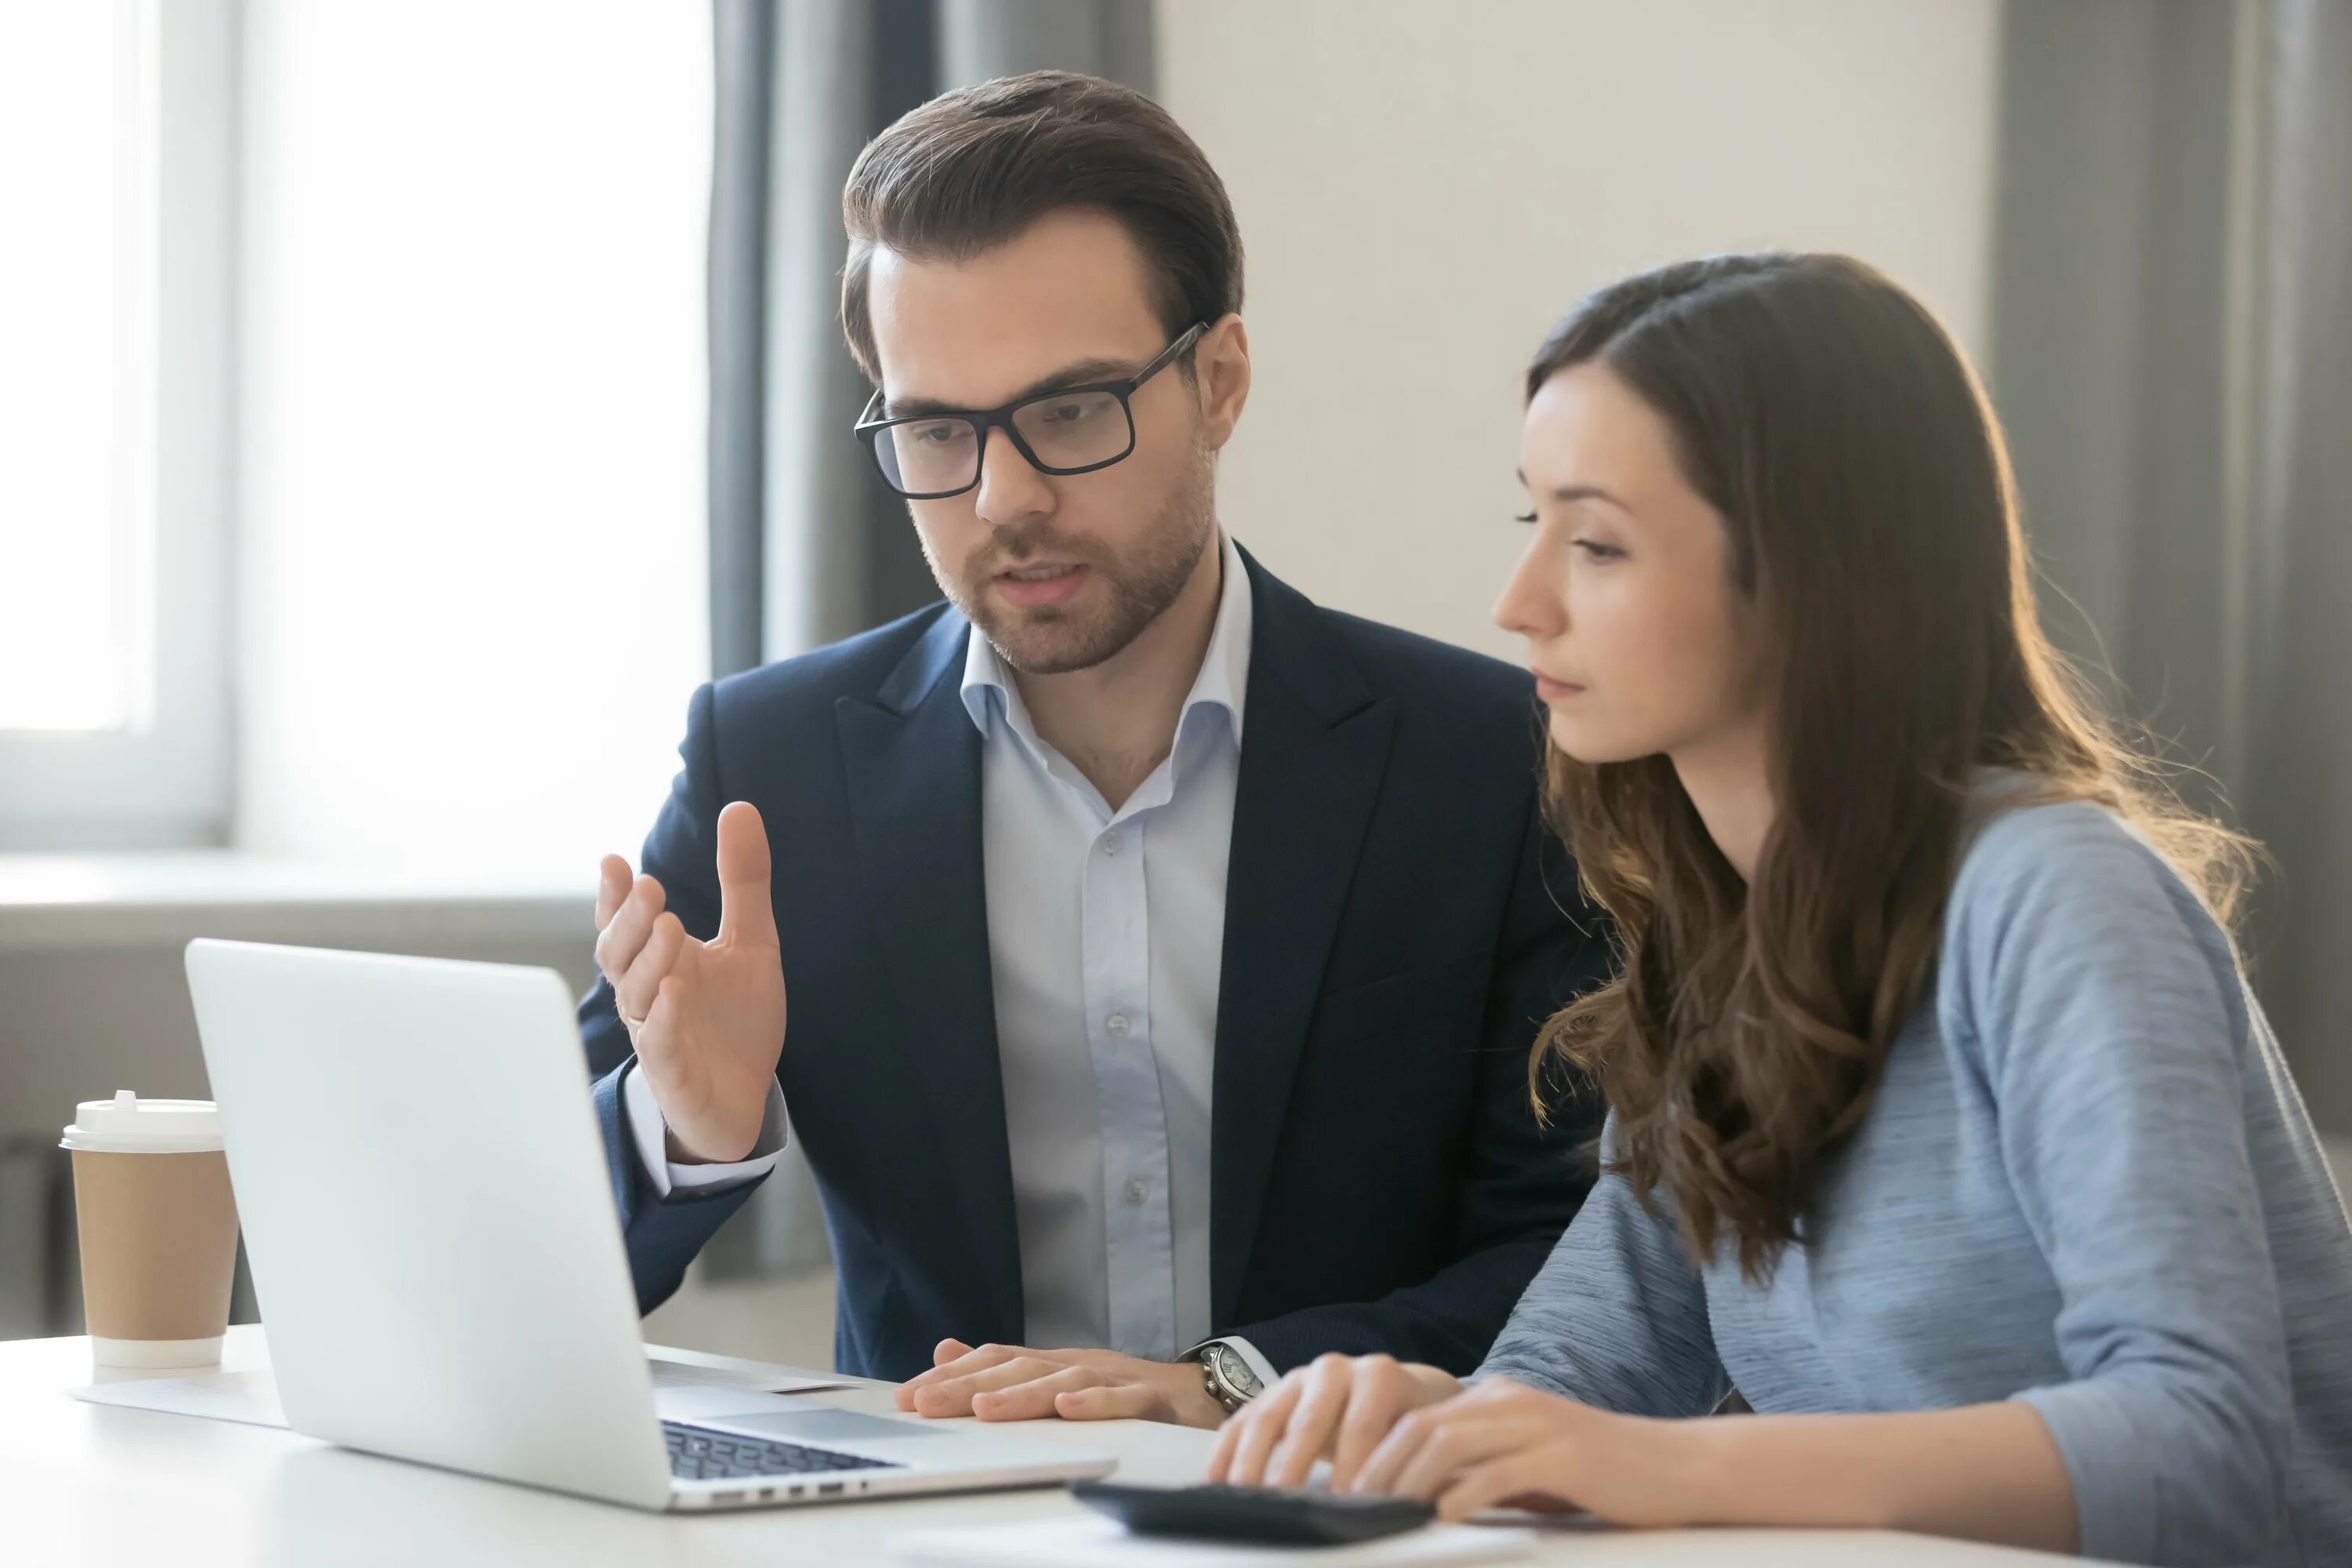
(1222, 372)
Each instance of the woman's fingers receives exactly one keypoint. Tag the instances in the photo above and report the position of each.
(1512, 1480)
(1453, 1447)
(1374, 1405)
(1329, 1381)
(1261, 1423)
(1392, 1453)
(1229, 1439)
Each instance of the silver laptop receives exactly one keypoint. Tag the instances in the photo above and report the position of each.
(431, 1229)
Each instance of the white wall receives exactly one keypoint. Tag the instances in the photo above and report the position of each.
(1423, 188)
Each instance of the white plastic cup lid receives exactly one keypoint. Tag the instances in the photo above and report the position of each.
(129, 1125)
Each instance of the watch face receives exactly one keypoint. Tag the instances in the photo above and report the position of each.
(1236, 1373)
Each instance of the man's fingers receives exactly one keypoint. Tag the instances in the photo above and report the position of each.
(1111, 1402)
(964, 1360)
(952, 1396)
(612, 879)
(624, 934)
(661, 1015)
(656, 961)
(1033, 1398)
(747, 911)
(944, 1354)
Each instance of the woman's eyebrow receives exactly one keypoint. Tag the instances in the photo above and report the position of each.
(1568, 494)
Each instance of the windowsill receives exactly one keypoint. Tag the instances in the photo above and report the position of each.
(51, 902)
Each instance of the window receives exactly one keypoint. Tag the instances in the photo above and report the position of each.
(419, 289)
(115, 122)
(472, 580)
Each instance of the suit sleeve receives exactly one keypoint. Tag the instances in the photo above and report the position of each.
(663, 1233)
(1522, 1182)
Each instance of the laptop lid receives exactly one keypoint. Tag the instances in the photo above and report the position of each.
(428, 1213)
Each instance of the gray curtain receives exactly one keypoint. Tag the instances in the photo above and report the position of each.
(807, 545)
(2172, 356)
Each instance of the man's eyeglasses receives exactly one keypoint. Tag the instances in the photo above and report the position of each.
(1070, 430)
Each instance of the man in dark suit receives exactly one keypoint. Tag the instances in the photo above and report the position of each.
(1164, 950)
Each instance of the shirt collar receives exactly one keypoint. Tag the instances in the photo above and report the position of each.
(1222, 681)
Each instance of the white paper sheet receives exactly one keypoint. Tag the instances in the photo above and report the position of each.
(251, 1396)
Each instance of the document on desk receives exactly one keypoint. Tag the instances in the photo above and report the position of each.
(1090, 1541)
(251, 1396)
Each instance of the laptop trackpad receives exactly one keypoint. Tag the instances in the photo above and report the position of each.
(826, 1424)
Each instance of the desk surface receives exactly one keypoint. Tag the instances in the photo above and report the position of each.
(95, 1485)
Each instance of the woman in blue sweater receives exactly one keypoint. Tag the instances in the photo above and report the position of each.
(1942, 1125)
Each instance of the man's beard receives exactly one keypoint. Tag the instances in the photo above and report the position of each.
(1054, 640)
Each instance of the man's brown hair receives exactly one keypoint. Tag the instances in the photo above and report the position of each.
(975, 168)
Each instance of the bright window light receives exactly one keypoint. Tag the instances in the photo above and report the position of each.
(472, 592)
(77, 117)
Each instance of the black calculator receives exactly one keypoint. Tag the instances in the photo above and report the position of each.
(1254, 1513)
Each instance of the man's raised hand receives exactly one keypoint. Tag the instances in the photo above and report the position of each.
(706, 1018)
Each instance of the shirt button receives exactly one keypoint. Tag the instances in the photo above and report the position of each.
(1138, 1189)
(1112, 843)
(1116, 1023)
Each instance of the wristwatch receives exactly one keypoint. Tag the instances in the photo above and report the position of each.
(1227, 1377)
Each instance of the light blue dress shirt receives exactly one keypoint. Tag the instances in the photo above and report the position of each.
(1106, 942)
(1106, 932)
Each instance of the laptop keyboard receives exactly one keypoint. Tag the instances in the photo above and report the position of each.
(699, 1454)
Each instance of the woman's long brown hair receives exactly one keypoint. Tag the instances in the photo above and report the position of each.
(1841, 434)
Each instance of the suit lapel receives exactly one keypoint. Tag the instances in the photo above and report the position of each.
(1314, 751)
(912, 759)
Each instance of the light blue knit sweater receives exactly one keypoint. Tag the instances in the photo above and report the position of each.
(2086, 1183)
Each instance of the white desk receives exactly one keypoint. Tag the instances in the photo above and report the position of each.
(96, 1486)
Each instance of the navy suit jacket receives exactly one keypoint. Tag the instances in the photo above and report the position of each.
(1397, 924)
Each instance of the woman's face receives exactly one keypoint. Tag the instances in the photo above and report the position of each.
(1640, 642)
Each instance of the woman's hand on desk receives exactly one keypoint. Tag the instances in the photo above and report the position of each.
(1498, 1444)
(1008, 1382)
(1985, 1472)
(1336, 1407)
(1398, 1430)
(706, 1018)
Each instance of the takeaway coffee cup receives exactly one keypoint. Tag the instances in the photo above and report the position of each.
(158, 1229)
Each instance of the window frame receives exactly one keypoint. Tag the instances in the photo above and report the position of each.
(164, 781)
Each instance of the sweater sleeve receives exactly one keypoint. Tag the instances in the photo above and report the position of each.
(2105, 1005)
(1617, 1316)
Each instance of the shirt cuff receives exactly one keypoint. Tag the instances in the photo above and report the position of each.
(1267, 1376)
(651, 1134)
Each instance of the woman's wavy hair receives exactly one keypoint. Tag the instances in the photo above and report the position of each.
(1873, 530)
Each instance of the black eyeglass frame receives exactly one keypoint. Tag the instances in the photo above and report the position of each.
(869, 429)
